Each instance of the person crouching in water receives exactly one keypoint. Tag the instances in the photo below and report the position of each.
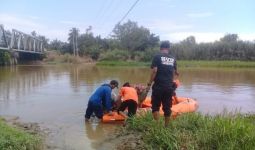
(102, 96)
(128, 96)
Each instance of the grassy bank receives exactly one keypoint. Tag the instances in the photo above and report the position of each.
(54, 57)
(216, 64)
(122, 63)
(196, 131)
(182, 63)
(15, 139)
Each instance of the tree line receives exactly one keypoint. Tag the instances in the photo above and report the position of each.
(129, 41)
(228, 47)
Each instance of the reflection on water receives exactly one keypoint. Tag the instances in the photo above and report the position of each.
(217, 89)
(15, 82)
(97, 133)
(56, 96)
(221, 77)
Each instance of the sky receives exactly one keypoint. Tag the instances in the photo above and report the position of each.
(173, 20)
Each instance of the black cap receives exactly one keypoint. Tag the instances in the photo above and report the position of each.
(127, 84)
(165, 44)
(115, 83)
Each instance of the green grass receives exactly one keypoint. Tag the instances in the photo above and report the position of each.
(185, 63)
(216, 64)
(122, 63)
(195, 131)
(53, 57)
(14, 139)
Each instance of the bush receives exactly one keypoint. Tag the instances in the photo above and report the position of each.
(149, 53)
(116, 55)
(138, 55)
(94, 53)
(4, 58)
(145, 56)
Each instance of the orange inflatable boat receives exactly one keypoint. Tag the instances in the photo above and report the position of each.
(115, 118)
(180, 105)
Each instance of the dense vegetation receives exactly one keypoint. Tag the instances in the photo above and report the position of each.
(187, 63)
(129, 41)
(4, 58)
(196, 131)
(15, 139)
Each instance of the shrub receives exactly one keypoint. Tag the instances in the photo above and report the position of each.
(4, 58)
(116, 55)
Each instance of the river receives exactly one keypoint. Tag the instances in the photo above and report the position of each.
(56, 96)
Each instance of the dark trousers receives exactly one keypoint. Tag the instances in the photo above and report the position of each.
(94, 108)
(162, 95)
(131, 105)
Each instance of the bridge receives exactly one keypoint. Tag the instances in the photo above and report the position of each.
(17, 41)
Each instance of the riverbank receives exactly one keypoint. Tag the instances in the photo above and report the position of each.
(185, 64)
(54, 57)
(192, 131)
(17, 135)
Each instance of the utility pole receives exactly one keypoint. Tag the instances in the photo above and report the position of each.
(75, 42)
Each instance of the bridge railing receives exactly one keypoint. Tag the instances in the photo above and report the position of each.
(20, 41)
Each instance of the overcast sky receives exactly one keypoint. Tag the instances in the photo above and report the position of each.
(174, 20)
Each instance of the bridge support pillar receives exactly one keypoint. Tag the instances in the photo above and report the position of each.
(14, 58)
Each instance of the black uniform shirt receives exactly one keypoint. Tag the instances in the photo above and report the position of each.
(166, 65)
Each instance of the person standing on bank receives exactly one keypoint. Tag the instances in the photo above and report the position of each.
(101, 97)
(163, 69)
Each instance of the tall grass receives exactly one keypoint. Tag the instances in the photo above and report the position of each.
(195, 131)
(185, 64)
(53, 57)
(15, 139)
(221, 64)
(122, 63)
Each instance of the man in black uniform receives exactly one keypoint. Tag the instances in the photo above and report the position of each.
(163, 69)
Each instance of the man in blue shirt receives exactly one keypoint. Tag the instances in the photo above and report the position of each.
(101, 97)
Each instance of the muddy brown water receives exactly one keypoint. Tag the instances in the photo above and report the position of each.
(56, 97)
